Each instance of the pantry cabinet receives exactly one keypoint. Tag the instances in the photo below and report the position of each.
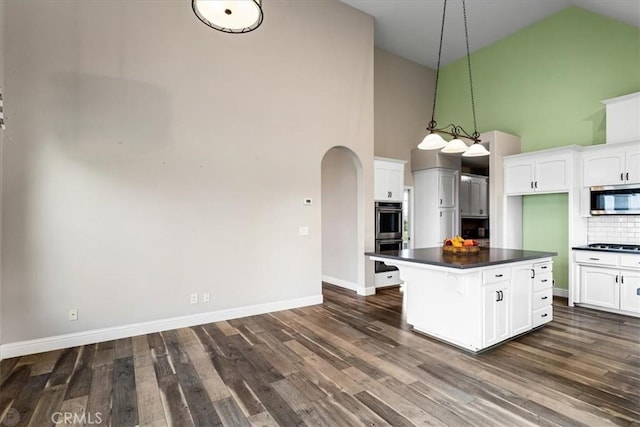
(435, 212)
(547, 171)
(388, 180)
(616, 164)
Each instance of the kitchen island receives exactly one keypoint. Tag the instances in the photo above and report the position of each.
(474, 301)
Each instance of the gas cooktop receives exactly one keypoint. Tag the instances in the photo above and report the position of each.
(614, 247)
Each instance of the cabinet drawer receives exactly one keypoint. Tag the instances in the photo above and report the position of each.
(496, 275)
(598, 258)
(543, 267)
(632, 261)
(542, 316)
(542, 299)
(542, 281)
(387, 278)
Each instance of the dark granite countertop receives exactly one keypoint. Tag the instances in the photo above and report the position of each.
(486, 257)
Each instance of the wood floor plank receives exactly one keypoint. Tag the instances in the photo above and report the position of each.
(125, 399)
(350, 361)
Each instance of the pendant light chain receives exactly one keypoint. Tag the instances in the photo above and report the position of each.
(435, 91)
(473, 103)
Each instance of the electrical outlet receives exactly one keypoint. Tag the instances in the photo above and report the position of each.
(194, 298)
(206, 297)
(73, 314)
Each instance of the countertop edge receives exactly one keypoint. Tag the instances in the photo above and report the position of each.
(537, 255)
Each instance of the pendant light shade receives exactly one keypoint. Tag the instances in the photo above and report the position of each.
(229, 16)
(455, 146)
(476, 150)
(432, 141)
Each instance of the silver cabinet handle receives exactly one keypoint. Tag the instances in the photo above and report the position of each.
(544, 315)
(594, 259)
(544, 267)
(389, 277)
(545, 297)
(499, 275)
(544, 280)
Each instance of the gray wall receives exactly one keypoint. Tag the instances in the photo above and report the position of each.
(150, 157)
(403, 104)
(340, 254)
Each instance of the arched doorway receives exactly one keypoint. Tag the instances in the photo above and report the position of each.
(342, 219)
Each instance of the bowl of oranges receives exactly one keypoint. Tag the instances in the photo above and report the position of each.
(458, 245)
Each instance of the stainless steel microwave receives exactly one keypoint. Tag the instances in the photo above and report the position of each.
(615, 200)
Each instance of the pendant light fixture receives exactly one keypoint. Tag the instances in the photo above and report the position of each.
(433, 140)
(229, 16)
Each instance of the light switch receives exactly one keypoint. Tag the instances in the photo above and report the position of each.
(303, 230)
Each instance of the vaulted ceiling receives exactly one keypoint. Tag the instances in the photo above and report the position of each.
(411, 28)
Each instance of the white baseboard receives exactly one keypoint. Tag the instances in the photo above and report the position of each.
(560, 292)
(39, 345)
(361, 290)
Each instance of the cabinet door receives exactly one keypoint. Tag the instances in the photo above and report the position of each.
(447, 224)
(630, 291)
(447, 189)
(484, 198)
(465, 184)
(388, 181)
(521, 299)
(604, 167)
(518, 177)
(495, 313)
(474, 197)
(552, 174)
(633, 166)
(381, 182)
(599, 286)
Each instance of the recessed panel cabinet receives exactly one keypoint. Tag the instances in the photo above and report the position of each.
(609, 280)
(388, 180)
(611, 165)
(474, 201)
(436, 207)
(537, 173)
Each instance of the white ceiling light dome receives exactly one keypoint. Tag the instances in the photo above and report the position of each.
(229, 16)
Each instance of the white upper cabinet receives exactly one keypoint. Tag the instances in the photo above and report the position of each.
(611, 165)
(546, 171)
(388, 180)
(447, 188)
(474, 201)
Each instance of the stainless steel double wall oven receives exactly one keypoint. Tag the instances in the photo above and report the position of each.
(388, 230)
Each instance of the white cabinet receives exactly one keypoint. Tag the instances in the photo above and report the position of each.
(609, 280)
(622, 118)
(546, 171)
(474, 196)
(495, 313)
(522, 295)
(611, 165)
(599, 286)
(388, 181)
(435, 206)
(515, 300)
(447, 188)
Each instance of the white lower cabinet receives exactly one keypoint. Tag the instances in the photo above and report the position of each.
(515, 300)
(522, 305)
(495, 308)
(609, 281)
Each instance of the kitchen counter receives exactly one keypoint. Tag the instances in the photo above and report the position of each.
(474, 301)
(485, 258)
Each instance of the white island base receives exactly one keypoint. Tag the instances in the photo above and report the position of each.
(476, 308)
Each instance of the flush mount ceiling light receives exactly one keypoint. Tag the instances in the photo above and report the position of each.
(229, 16)
(433, 140)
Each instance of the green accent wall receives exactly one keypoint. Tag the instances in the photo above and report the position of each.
(545, 83)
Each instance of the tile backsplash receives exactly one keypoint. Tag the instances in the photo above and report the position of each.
(614, 229)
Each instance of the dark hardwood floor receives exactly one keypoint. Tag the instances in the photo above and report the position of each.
(350, 361)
